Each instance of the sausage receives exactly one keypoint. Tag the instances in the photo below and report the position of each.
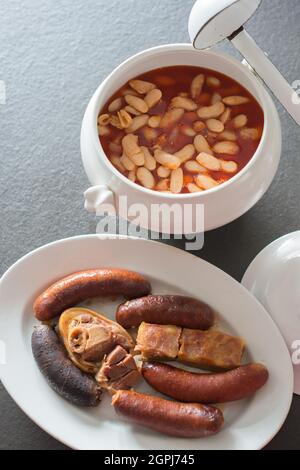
(205, 388)
(167, 417)
(61, 374)
(83, 285)
(166, 310)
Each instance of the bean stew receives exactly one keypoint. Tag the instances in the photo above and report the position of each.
(181, 129)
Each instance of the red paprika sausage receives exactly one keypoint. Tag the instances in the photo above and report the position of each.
(83, 285)
(176, 310)
(187, 386)
(167, 417)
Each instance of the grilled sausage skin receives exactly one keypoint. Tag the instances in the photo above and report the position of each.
(187, 420)
(178, 310)
(61, 374)
(222, 387)
(80, 286)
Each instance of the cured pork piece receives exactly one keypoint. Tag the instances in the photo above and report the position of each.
(89, 336)
(118, 371)
(158, 341)
(211, 349)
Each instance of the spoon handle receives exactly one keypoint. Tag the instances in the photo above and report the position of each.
(268, 72)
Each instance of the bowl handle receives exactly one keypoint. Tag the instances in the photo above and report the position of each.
(98, 199)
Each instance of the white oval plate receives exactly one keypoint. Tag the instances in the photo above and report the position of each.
(249, 424)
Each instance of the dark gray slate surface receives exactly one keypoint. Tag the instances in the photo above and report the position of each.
(53, 55)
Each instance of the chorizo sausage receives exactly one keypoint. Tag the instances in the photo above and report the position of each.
(166, 310)
(205, 388)
(61, 374)
(167, 417)
(83, 285)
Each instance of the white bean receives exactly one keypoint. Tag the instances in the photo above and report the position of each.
(193, 188)
(154, 121)
(214, 125)
(132, 176)
(103, 130)
(145, 177)
(138, 159)
(176, 182)
(250, 133)
(127, 163)
(166, 159)
(209, 112)
(129, 91)
(197, 85)
(225, 116)
(149, 133)
(205, 182)
(235, 100)
(186, 153)
(230, 148)
(163, 172)
(130, 145)
(103, 120)
(115, 122)
(188, 131)
(124, 118)
(193, 167)
(229, 167)
(201, 145)
(171, 117)
(150, 162)
(132, 111)
(213, 82)
(153, 98)
(133, 150)
(141, 86)
(116, 161)
(137, 123)
(228, 135)
(216, 98)
(115, 105)
(137, 103)
(208, 161)
(183, 103)
(240, 121)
